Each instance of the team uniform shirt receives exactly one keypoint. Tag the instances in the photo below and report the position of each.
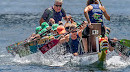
(96, 14)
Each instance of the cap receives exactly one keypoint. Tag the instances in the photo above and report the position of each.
(61, 30)
(54, 27)
(42, 31)
(78, 23)
(44, 25)
(38, 29)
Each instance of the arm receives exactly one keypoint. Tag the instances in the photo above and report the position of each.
(66, 24)
(64, 14)
(44, 16)
(112, 44)
(65, 17)
(111, 48)
(36, 37)
(65, 39)
(86, 10)
(80, 33)
(105, 13)
(41, 21)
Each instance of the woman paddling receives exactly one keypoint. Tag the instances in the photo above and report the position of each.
(94, 14)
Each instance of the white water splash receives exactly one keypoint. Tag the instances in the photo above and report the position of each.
(53, 57)
(117, 62)
(56, 57)
(4, 55)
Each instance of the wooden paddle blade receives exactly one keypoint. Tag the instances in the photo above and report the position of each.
(48, 46)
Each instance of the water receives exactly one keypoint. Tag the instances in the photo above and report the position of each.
(18, 19)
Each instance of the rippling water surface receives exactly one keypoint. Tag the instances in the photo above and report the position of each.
(19, 18)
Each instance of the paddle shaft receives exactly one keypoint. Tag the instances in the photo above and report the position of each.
(100, 2)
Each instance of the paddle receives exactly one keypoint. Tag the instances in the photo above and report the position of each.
(100, 2)
(50, 45)
(122, 47)
(125, 42)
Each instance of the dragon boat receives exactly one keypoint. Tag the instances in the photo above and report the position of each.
(97, 46)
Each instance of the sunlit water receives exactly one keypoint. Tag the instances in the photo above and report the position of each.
(19, 18)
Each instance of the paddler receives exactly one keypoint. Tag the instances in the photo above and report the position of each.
(111, 41)
(94, 14)
(45, 27)
(61, 29)
(39, 32)
(67, 27)
(73, 39)
(57, 31)
(54, 13)
(54, 31)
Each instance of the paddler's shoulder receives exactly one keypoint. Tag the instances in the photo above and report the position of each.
(62, 9)
(50, 9)
(102, 8)
(67, 36)
(88, 8)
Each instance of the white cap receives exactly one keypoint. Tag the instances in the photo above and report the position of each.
(59, 1)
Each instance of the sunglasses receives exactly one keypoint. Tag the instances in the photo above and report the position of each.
(67, 29)
(60, 23)
(72, 28)
(58, 5)
(55, 30)
(38, 31)
(74, 31)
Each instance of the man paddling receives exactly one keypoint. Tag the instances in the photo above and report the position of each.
(54, 13)
(94, 14)
(73, 39)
